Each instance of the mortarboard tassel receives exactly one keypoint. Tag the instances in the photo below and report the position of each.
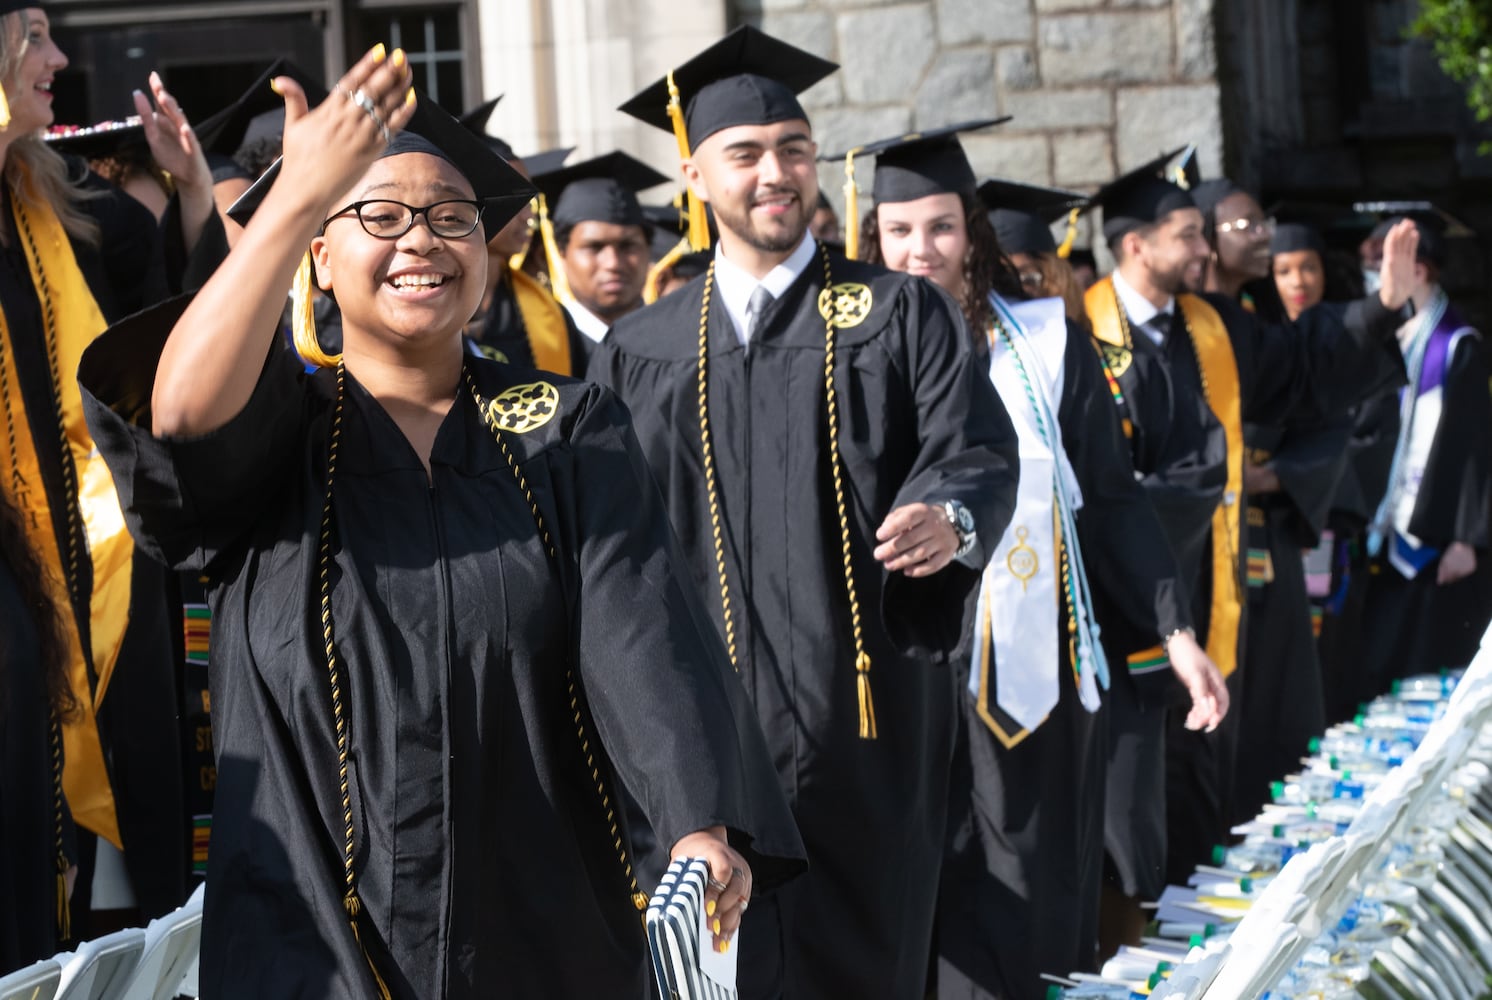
(1065, 250)
(867, 705)
(303, 319)
(559, 285)
(515, 262)
(851, 209)
(655, 273)
(699, 225)
(4, 110)
(353, 906)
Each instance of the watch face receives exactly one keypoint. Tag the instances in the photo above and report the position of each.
(965, 519)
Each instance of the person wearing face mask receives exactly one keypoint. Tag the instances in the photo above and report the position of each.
(450, 613)
(78, 254)
(1425, 599)
(836, 466)
(1220, 367)
(1020, 887)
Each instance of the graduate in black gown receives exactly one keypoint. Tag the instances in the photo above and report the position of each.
(519, 321)
(449, 614)
(35, 825)
(1020, 887)
(835, 570)
(1426, 598)
(78, 254)
(1291, 473)
(601, 239)
(1208, 351)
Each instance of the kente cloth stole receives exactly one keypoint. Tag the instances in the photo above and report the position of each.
(96, 530)
(1214, 352)
(544, 322)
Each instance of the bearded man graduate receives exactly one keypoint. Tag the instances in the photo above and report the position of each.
(835, 462)
(1159, 341)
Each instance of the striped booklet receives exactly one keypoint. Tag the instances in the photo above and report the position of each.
(686, 966)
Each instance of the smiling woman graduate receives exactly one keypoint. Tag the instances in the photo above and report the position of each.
(449, 615)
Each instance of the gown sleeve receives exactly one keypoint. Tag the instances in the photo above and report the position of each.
(1330, 357)
(1458, 473)
(1310, 462)
(1124, 547)
(187, 500)
(673, 717)
(966, 451)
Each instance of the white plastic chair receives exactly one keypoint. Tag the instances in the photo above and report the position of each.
(171, 946)
(35, 982)
(98, 969)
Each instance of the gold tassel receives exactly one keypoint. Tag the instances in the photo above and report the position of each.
(354, 906)
(1065, 249)
(4, 109)
(559, 285)
(699, 223)
(64, 908)
(303, 319)
(867, 705)
(851, 210)
(655, 273)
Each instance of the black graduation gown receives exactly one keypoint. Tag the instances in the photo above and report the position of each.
(504, 337)
(28, 862)
(484, 860)
(1370, 454)
(135, 263)
(1283, 702)
(1416, 626)
(919, 421)
(1020, 885)
(1329, 358)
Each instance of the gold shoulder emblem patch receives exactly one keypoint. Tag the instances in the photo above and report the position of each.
(525, 408)
(845, 305)
(1117, 357)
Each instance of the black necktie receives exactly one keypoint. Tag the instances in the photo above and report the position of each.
(1161, 324)
(755, 306)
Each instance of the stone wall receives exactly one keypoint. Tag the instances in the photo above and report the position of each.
(1094, 86)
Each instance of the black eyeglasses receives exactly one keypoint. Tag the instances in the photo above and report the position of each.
(389, 220)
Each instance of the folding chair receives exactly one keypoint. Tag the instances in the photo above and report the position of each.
(98, 969)
(171, 946)
(35, 982)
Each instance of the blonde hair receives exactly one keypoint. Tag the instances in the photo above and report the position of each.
(35, 172)
(1058, 281)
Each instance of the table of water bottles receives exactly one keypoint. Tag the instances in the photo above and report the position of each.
(1369, 875)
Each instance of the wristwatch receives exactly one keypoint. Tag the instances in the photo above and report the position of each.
(963, 523)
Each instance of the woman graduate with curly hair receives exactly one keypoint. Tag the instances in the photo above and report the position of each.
(449, 616)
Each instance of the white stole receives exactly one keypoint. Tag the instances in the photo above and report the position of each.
(1020, 615)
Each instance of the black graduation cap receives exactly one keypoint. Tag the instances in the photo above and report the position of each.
(478, 117)
(1186, 172)
(1291, 237)
(1139, 198)
(1435, 225)
(746, 78)
(257, 113)
(94, 142)
(1023, 214)
(503, 190)
(545, 161)
(917, 164)
(601, 189)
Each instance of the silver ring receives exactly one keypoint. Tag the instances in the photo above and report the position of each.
(361, 99)
(744, 904)
(717, 885)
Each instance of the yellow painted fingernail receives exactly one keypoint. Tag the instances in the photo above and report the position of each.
(379, 52)
(724, 947)
(274, 85)
(709, 907)
(716, 926)
(398, 58)
(409, 97)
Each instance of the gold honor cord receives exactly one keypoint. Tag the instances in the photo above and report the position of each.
(350, 900)
(868, 729)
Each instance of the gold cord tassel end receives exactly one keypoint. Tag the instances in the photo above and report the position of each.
(4, 109)
(1065, 250)
(867, 704)
(303, 319)
(64, 908)
(354, 906)
(559, 285)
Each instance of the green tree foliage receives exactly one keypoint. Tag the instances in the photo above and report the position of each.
(1461, 32)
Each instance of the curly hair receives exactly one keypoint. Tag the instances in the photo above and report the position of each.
(986, 268)
(17, 555)
(36, 172)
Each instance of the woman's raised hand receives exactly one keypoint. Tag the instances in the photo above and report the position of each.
(326, 149)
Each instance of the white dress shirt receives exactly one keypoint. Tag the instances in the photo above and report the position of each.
(587, 322)
(1140, 310)
(735, 285)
